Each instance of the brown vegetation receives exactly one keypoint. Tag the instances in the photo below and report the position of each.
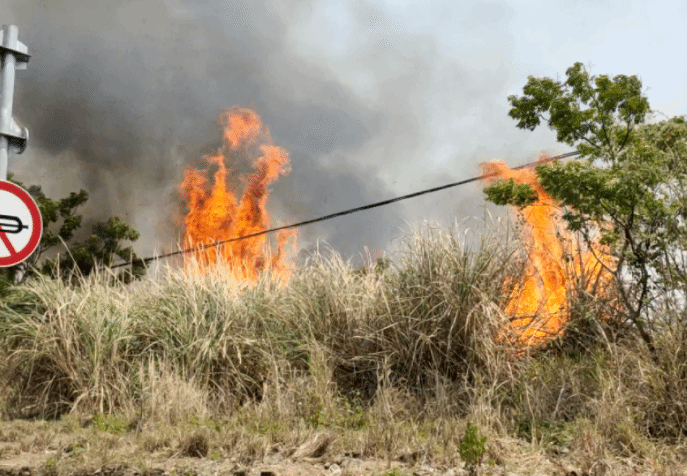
(334, 367)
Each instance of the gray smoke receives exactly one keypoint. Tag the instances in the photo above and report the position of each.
(119, 96)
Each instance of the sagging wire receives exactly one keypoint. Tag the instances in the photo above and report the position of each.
(342, 213)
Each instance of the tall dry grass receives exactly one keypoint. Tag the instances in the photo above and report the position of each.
(394, 360)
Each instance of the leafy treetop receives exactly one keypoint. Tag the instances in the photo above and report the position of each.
(637, 194)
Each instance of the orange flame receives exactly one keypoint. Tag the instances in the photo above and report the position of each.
(538, 305)
(214, 214)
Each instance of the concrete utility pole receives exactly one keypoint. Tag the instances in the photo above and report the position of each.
(13, 54)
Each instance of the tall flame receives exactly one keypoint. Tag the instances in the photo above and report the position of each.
(538, 305)
(215, 215)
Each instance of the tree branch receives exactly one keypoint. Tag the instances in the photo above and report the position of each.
(603, 126)
(627, 134)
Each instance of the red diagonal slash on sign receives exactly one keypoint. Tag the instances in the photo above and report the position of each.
(8, 244)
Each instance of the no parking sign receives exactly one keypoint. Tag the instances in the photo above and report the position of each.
(21, 225)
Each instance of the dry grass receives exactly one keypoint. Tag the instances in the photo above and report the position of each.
(389, 365)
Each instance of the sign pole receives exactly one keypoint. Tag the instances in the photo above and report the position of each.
(14, 56)
(20, 219)
(3, 157)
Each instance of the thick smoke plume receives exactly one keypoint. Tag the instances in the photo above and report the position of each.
(120, 96)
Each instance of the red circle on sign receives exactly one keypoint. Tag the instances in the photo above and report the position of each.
(36, 225)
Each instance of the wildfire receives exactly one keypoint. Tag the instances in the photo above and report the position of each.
(538, 305)
(214, 213)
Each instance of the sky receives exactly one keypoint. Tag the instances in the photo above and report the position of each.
(371, 99)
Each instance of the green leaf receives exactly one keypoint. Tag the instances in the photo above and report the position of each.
(506, 192)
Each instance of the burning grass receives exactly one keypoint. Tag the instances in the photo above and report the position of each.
(558, 265)
(213, 213)
(389, 365)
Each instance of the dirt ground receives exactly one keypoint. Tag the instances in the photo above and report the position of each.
(34, 464)
(61, 448)
(127, 460)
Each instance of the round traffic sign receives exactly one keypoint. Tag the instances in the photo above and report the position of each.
(21, 225)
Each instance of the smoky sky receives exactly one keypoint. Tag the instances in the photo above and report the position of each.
(120, 96)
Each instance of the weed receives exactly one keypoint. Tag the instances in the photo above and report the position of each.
(50, 467)
(109, 424)
(472, 448)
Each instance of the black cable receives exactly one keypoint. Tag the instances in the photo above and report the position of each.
(345, 212)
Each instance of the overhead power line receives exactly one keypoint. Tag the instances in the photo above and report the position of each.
(345, 212)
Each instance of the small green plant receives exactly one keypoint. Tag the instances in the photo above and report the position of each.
(215, 425)
(109, 424)
(392, 472)
(354, 416)
(50, 467)
(267, 427)
(215, 455)
(319, 419)
(472, 448)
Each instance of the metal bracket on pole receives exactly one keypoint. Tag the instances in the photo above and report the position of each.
(14, 55)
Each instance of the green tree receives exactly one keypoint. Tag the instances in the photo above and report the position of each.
(636, 194)
(99, 248)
